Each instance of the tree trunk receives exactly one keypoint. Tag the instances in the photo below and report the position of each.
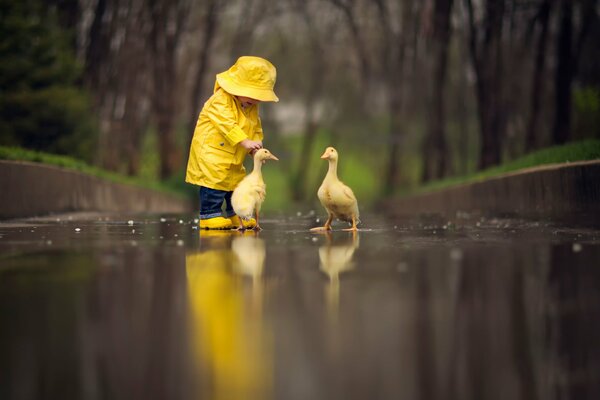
(531, 141)
(211, 21)
(395, 73)
(167, 21)
(564, 75)
(487, 63)
(314, 92)
(347, 9)
(435, 149)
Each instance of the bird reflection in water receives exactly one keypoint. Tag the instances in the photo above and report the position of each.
(336, 258)
(232, 346)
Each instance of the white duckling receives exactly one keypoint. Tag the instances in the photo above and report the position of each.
(337, 198)
(249, 195)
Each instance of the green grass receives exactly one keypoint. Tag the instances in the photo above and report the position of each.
(20, 154)
(571, 152)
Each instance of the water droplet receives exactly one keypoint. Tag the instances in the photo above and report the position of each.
(133, 231)
(318, 220)
(175, 235)
(49, 242)
(77, 229)
(298, 214)
(181, 221)
(576, 247)
(163, 220)
(130, 222)
(315, 239)
(180, 243)
(196, 220)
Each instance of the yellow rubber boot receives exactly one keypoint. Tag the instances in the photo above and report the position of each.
(235, 221)
(216, 223)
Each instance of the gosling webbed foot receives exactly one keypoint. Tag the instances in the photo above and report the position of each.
(321, 229)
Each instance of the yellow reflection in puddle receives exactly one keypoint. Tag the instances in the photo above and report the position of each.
(232, 345)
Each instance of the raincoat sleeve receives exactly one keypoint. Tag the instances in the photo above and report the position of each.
(221, 113)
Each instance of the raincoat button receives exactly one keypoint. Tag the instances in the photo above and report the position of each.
(222, 144)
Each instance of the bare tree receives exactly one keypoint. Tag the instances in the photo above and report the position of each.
(542, 18)
(568, 52)
(348, 9)
(167, 22)
(316, 76)
(485, 44)
(393, 61)
(115, 71)
(564, 74)
(210, 25)
(435, 147)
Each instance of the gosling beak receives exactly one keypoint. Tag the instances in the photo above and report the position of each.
(325, 156)
(274, 158)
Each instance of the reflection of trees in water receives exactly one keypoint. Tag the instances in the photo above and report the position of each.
(573, 324)
(97, 323)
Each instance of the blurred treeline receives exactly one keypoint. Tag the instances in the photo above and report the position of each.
(409, 90)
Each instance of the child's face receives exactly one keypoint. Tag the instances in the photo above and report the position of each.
(247, 101)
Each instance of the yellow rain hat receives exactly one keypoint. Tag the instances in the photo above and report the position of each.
(250, 76)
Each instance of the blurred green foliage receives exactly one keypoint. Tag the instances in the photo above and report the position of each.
(586, 102)
(41, 105)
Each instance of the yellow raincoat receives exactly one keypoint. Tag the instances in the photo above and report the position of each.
(216, 159)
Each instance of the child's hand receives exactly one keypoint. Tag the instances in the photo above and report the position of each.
(251, 145)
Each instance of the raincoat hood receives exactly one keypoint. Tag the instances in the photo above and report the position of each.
(252, 77)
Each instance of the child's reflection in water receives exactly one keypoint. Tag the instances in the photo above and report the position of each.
(231, 343)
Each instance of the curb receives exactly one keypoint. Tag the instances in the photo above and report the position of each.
(32, 189)
(556, 192)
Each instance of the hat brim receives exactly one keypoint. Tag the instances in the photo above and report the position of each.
(238, 90)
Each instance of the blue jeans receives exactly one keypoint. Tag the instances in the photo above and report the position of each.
(211, 203)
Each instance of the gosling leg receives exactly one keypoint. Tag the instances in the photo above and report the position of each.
(257, 227)
(326, 227)
(353, 228)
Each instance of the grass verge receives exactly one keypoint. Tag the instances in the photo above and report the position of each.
(577, 151)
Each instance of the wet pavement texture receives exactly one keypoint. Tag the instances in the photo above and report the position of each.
(149, 307)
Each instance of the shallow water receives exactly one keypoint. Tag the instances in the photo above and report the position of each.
(130, 307)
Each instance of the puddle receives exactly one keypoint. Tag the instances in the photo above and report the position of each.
(406, 309)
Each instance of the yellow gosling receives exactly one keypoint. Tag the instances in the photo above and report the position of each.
(338, 199)
(249, 195)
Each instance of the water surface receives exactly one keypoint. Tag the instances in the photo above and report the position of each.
(148, 307)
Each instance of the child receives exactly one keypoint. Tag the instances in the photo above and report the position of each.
(228, 128)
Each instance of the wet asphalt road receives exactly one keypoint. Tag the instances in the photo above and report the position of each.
(148, 307)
